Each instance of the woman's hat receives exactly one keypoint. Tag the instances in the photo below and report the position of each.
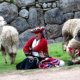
(37, 29)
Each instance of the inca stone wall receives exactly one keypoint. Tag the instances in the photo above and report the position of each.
(27, 14)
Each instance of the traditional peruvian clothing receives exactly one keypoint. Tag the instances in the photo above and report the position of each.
(38, 46)
(37, 49)
(51, 62)
(75, 56)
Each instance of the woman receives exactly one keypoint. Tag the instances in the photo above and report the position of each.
(35, 49)
(37, 45)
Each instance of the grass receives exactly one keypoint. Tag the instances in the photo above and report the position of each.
(10, 67)
(55, 50)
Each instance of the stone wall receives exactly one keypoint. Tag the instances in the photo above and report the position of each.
(26, 14)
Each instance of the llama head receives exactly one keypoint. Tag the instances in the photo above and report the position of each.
(2, 21)
(74, 44)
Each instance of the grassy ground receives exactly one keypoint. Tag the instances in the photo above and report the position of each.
(55, 50)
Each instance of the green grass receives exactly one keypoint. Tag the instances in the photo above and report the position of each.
(10, 67)
(55, 50)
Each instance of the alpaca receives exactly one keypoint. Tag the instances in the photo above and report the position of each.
(9, 40)
(71, 30)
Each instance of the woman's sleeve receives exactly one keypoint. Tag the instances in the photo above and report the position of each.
(27, 45)
(42, 44)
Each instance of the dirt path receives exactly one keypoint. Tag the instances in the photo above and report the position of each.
(47, 74)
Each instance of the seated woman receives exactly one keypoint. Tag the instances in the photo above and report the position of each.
(37, 45)
(35, 49)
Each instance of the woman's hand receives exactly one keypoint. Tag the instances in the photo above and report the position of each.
(30, 57)
(41, 54)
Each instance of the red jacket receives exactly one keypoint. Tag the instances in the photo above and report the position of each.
(42, 46)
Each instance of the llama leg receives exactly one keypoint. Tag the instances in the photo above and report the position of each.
(3, 53)
(64, 44)
(66, 38)
(12, 57)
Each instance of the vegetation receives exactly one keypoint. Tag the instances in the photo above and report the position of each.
(55, 50)
(9, 67)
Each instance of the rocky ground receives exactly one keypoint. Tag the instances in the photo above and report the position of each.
(70, 73)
